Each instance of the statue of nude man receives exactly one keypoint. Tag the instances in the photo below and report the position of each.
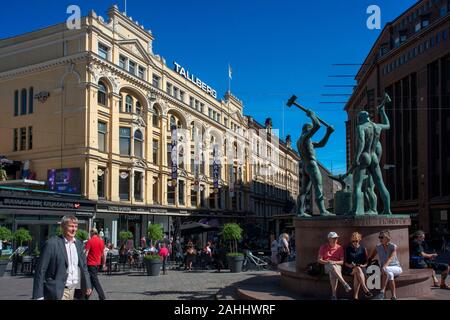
(310, 169)
(367, 159)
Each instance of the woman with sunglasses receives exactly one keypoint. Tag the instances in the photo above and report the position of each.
(355, 265)
(388, 261)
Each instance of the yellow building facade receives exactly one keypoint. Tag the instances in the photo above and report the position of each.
(97, 98)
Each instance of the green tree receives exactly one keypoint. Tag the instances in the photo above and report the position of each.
(5, 234)
(125, 235)
(22, 235)
(82, 235)
(232, 232)
(155, 232)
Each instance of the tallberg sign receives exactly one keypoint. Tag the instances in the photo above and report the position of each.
(185, 73)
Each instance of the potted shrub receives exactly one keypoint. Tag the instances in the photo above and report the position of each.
(153, 261)
(83, 235)
(232, 233)
(22, 235)
(124, 236)
(5, 235)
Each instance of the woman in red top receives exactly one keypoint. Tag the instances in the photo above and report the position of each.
(164, 253)
(331, 255)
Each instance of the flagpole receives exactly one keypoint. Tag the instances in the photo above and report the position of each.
(229, 79)
(125, 6)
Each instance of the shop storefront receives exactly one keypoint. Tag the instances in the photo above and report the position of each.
(41, 212)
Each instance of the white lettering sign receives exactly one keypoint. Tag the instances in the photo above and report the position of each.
(185, 73)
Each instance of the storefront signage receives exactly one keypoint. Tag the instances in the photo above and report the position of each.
(187, 75)
(39, 203)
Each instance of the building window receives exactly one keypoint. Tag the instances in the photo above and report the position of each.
(128, 104)
(155, 151)
(169, 155)
(123, 62)
(169, 89)
(193, 196)
(155, 118)
(138, 179)
(30, 138)
(141, 72)
(197, 105)
(170, 193)
(132, 67)
(191, 102)
(181, 192)
(156, 81)
(155, 191)
(103, 51)
(102, 136)
(23, 102)
(16, 137)
(202, 196)
(120, 104)
(31, 100)
(202, 107)
(417, 28)
(124, 185)
(124, 134)
(23, 139)
(182, 94)
(101, 95)
(175, 92)
(101, 173)
(138, 107)
(16, 103)
(138, 139)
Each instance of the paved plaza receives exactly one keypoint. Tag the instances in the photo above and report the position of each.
(182, 285)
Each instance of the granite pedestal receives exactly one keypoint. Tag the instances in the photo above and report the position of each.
(311, 233)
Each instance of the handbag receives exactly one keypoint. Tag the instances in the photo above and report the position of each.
(315, 269)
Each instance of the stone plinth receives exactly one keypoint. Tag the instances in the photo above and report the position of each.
(311, 233)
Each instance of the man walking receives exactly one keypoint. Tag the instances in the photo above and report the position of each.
(94, 249)
(57, 274)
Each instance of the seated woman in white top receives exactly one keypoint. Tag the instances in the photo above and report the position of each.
(389, 264)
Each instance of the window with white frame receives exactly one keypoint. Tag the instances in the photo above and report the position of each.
(103, 51)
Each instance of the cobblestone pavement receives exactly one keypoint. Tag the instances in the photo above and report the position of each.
(183, 285)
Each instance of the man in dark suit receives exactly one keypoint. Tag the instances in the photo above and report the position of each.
(57, 274)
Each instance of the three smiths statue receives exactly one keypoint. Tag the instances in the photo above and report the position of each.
(310, 169)
(367, 159)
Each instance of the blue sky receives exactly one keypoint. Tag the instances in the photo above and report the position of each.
(276, 48)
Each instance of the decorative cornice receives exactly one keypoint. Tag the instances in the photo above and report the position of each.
(43, 66)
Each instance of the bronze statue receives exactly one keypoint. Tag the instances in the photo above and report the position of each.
(310, 169)
(367, 159)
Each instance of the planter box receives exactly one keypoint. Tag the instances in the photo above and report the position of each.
(235, 263)
(153, 267)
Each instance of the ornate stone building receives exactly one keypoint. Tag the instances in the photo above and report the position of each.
(100, 101)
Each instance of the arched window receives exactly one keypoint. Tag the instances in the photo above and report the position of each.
(23, 102)
(173, 122)
(155, 118)
(128, 104)
(138, 107)
(101, 96)
(138, 141)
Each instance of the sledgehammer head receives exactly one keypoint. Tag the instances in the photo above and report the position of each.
(291, 101)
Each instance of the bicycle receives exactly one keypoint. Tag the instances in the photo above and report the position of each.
(262, 263)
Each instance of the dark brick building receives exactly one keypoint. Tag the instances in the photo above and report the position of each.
(410, 61)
